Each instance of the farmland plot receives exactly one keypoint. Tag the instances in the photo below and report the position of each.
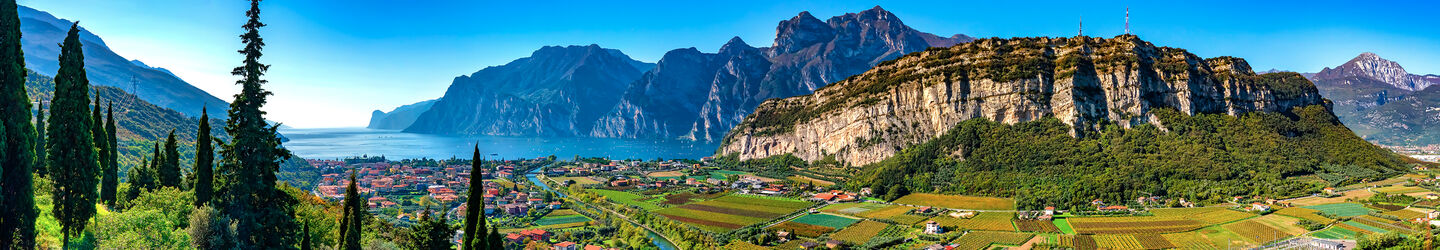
(861, 232)
(1256, 232)
(1342, 209)
(1132, 225)
(732, 211)
(982, 221)
(1036, 226)
(982, 239)
(825, 220)
(958, 201)
(1305, 213)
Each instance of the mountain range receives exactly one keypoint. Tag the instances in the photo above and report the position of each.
(43, 32)
(687, 94)
(1382, 102)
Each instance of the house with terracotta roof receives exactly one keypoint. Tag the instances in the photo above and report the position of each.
(565, 246)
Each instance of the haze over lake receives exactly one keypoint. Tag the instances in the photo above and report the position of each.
(336, 143)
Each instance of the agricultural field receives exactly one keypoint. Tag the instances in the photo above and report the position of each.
(1078, 241)
(1336, 233)
(1388, 225)
(802, 229)
(1164, 221)
(682, 198)
(1043, 226)
(578, 180)
(1284, 224)
(626, 198)
(871, 210)
(826, 220)
(1305, 213)
(958, 201)
(804, 179)
(1256, 232)
(1358, 194)
(989, 221)
(1398, 189)
(732, 211)
(666, 174)
(1407, 214)
(860, 233)
(1342, 209)
(982, 239)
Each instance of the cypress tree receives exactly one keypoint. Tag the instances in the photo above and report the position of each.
(170, 168)
(494, 239)
(100, 139)
(110, 179)
(17, 198)
(141, 177)
(72, 157)
(204, 158)
(40, 140)
(474, 206)
(430, 233)
(305, 229)
(247, 193)
(351, 217)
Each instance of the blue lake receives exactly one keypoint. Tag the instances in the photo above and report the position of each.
(337, 143)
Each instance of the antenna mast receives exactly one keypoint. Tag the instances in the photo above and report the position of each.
(1127, 20)
(1082, 25)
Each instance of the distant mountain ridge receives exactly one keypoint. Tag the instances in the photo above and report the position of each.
(400, 117)
(688, 93)
(557, 91)
(42, 32)
(1382, 102)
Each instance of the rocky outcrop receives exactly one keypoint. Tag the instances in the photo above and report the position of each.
(400, 117)
(701, 96)
(1371, 66)
(1083, 81)
(557, 91)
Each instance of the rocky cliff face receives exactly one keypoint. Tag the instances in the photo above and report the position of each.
(400, 117)
(557, 91)
(1083, 81)
(696, 95)
(1382, 102)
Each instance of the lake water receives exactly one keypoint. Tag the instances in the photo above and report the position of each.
(338, 143)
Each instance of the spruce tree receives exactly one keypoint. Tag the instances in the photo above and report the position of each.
(351, 217)
(72, 157)
(170, 168)
(474, 206)
(40, 140)
(17, 198)
(246, 174)
(110, 179)
(204, 159)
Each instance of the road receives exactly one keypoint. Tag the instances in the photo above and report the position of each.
(622, 216)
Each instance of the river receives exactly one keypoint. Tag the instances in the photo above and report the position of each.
(655, 239)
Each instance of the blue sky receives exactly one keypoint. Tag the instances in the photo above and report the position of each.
(335, 61)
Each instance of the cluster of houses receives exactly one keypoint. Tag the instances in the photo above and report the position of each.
(835, 196)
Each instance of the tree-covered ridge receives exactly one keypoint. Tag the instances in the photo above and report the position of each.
(1203, 158)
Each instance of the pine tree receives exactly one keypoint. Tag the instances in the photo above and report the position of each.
(204, 159)
(72, 157)
(430, 233)
(246, 174)
(170, 168)
(474, 206)
(40, 140)
(17, 201)
(351, 217)
(110, 179)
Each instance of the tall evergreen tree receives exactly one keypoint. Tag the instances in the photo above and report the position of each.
(351, 217)
(72, 157)
(40, 140)
(262, 214)
(430, 233)
(141, 178)
(305, 234)
(494, 239)
(170, 168)
(474, 206)
(204, 161)
(99, 138)
(110, 179)
(17, 201)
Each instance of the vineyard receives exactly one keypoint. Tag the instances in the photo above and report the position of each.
(1257, 233)
(1043, 226)
(1117, 241)
(1078, 241)
(982, 239)
(1305, 213)
(803, 229)
(982, 221)
(860, 232)
(1132, 225)
(958, 201)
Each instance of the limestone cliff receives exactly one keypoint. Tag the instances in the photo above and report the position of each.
(1085, 82)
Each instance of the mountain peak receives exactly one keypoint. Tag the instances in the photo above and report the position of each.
(735, 44)
(1373, 66)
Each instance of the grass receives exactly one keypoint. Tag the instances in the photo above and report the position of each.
(1342, 209)
(1362, 226)
(861, 232)
(626, 198)
(958, 201)
(826, 220)
(1064, 225)
(564, 219)
(1336, 233)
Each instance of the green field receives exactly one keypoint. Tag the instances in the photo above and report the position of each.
(626, 198)
(1336, 233)
(1064, 225)
(1342, 209)
(826, 220)
(552, 220)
